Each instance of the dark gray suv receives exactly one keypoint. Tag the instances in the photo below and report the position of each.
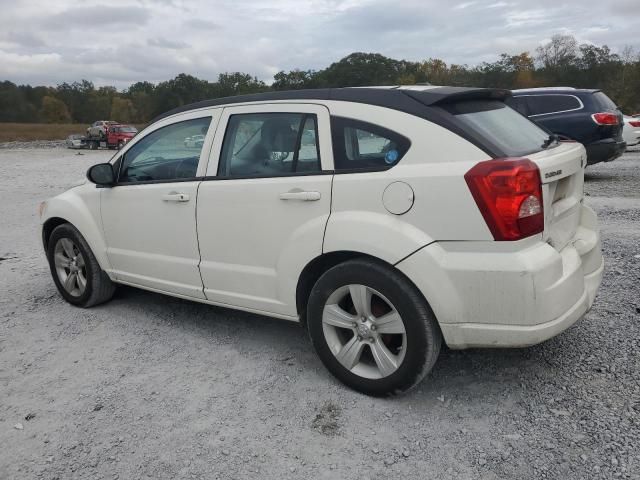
(584, 115)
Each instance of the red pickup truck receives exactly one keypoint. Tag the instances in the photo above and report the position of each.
(117, 135)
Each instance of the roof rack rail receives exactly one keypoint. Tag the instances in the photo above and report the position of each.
(543, 88)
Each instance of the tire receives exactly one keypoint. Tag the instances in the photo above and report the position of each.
(66, 243)
(393, 296)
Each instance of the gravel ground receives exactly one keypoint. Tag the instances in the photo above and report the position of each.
(148, 386)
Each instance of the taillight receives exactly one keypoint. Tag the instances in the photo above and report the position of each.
(508, 192)
(635, 123)
(605, 118)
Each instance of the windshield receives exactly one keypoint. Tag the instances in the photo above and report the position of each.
(499, 127)
(126, 130)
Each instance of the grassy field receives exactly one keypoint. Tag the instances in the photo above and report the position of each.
(25, 132)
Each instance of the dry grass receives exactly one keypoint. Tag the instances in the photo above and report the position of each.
(26, 132)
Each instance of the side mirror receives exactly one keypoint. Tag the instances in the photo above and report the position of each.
(102, 175)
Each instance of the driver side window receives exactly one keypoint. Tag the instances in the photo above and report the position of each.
(169, 153)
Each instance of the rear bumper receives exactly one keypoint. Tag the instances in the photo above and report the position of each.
(494, 294)
(604, 150)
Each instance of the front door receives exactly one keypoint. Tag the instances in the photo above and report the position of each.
(264, 204)
(149, 217)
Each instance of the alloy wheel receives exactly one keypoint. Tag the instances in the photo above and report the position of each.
(70, 267)
(364, 331)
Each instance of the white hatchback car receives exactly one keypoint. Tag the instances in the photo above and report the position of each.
(405, 217)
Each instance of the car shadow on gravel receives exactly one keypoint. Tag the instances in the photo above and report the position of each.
(459, 373)
(210, 319)
(598, 177)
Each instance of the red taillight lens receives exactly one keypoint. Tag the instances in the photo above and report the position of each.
(635, 123)
(605, 118)
(508, 192)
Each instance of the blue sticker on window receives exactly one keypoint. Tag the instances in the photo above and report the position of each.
(391, 156)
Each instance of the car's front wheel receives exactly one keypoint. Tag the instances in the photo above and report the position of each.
(75, 270)
(372, 328)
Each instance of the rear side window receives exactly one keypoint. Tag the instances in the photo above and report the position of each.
(498, 127)
(270, 144)
(363, 146)
(543, 104)
(603, 102)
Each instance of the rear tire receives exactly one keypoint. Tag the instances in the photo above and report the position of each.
(384, 351)
(75, 270)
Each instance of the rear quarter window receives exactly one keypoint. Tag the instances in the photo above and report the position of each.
(545, 104)
(498, 127)
(361, 145)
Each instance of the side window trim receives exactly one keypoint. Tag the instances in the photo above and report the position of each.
(296, 147)
(581, 105)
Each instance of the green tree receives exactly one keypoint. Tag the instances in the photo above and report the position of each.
(294, 80)
(237, 83)
(122, 110)
(361, 69)
(54, 110)
(14, 104)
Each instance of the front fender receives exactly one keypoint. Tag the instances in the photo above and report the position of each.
(381, 235)
(80, 206)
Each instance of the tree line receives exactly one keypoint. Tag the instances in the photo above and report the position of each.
(560, 62)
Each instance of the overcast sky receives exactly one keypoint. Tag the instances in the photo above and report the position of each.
(48, 42)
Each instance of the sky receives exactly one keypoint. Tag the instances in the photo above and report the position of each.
(119, 42)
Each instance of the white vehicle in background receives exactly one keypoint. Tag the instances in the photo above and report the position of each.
(406, 217)
(75, 141)
(631, 131)
(194, 141)
(99, 128)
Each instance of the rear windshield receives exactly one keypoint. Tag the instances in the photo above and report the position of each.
(498, 126)
(603, 102)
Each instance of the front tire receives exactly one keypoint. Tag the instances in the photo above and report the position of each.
(75, 270)
(372, 328)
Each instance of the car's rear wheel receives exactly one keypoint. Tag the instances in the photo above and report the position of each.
(372, 328)
(75, 270)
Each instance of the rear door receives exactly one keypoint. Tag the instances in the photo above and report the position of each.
(264, 204)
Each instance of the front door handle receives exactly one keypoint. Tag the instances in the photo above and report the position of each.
(176, 197)
(297, 194)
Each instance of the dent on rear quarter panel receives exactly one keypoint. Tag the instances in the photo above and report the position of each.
(381, 235)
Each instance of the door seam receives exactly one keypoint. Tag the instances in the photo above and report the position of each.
(326, 224)
(198, 239)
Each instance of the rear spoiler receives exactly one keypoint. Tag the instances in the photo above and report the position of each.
(443, 95)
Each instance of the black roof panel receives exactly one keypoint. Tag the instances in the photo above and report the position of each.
(405, 100)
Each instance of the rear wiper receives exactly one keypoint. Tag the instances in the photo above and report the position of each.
(551, 139)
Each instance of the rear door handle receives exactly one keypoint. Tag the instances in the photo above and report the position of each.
(175, 197)
(301, 195)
